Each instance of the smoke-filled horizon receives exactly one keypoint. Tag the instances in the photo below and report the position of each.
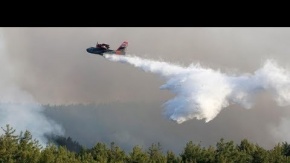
(203, 92)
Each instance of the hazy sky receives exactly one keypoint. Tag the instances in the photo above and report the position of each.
(52, 65)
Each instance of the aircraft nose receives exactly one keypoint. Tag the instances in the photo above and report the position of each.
(89, 50)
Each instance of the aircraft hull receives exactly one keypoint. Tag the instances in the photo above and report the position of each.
(99, 51)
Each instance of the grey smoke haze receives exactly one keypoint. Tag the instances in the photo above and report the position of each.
(54, 60)
(51, 64)
(18, 108)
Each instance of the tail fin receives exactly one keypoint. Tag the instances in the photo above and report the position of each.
(122, 49)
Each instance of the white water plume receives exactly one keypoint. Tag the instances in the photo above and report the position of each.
(203, 92)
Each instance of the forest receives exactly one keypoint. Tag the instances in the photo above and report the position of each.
(23, 148)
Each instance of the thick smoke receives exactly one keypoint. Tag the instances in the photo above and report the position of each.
(18, 108)
(203, 92)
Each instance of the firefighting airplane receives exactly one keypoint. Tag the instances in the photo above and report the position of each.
(102, 49)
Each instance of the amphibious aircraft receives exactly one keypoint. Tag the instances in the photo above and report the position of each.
(103, 48)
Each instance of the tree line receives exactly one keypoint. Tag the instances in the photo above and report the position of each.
(22, 148)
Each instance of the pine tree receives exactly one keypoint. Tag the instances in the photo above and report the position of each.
(28, 149)
(172, 158)
(138, 156)
(48, 155)
(100, 153)
(155, 154)
(116, 154)
(8, 145)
